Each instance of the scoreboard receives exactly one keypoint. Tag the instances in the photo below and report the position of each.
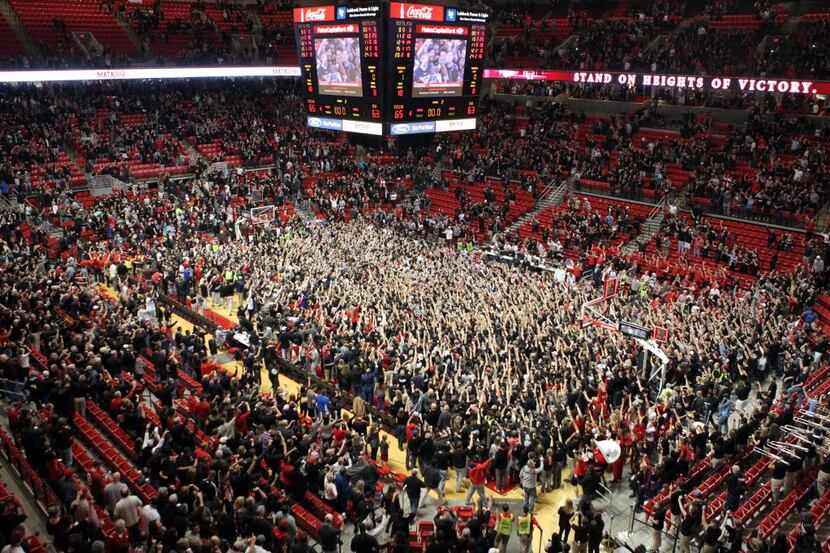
(339, 48)
(436, 58)
(391, 67)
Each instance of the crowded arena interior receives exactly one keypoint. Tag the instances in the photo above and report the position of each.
(491, 277)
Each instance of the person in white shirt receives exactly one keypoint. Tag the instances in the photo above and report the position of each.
(149, 516)
(329, 489)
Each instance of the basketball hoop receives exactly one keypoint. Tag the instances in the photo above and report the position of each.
(593, 311)
(593, 314)
(262, 216)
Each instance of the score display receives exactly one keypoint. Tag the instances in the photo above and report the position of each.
(391, 68)
(436, 57)
(339, 48)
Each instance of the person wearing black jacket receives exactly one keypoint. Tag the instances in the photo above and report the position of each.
(441, 461)
(779, 473)
(595, 530)
(735, 487)
(500, 463)
(363, 542)
(711, 536)
(581, 530)
(432, 481)
(412, 486)
(329, 536)
(657, 526)
(686, 529)
(675, 507)
(793, 470)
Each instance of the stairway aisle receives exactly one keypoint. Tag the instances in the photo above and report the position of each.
(650, 228)
(551, 197)
(23, 37)
(35, 522)
(131, 34)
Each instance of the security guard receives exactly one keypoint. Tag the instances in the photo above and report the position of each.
(524, 529)
(504, 527)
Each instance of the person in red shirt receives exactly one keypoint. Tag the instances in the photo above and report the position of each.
(476, 473)
(192, 400)
(580, 467)
(625, 443)
(241, 422)
(97, 482)
(202, 410)
(286, 474)
(338, 434)
(119, 538)
(117, 401)
(809, 226)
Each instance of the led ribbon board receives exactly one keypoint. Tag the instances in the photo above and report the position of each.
(695, 82)
(66, 75)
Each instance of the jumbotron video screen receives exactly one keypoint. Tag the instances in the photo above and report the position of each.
(339, 49)
(395, 68)
(436, 55)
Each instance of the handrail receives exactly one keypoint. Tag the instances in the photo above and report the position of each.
(15, 389)
(41, 492)
(486, 176)
(552, 189)
(657, 208)
(7, 203)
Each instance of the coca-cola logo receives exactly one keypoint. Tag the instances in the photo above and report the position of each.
(419, 12)
(315, 14)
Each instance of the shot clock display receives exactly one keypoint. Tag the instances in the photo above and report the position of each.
(339, 48)
(391, 68)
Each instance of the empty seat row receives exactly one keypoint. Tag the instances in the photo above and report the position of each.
(111, 428)
(143, 489)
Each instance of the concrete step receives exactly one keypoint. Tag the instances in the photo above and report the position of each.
(35, 519)
(550, 198)
(649, 229)
(7, 11)
(128, 30)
